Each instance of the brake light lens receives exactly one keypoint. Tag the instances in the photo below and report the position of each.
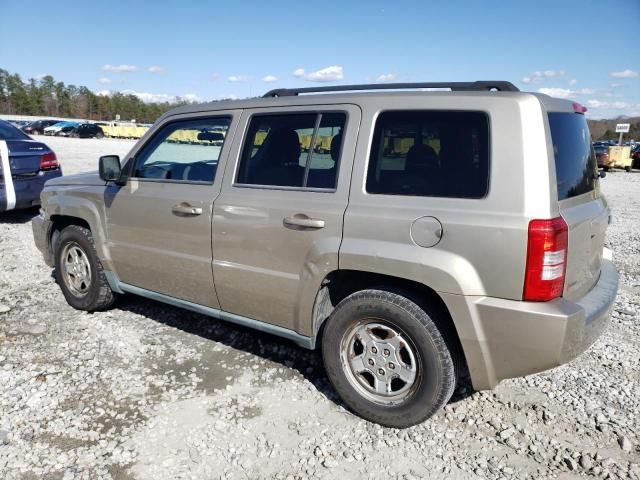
(546, 260)
(49, 161)
(579, 108)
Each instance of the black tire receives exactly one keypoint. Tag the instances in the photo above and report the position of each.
(435, 379)
(98, 295)
(627, 169)
(99, 135)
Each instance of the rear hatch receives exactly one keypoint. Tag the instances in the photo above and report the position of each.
(24, 156)
(581, 205)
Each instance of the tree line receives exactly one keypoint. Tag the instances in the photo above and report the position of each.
(47, 97)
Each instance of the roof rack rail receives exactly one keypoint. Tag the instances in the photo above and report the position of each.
(481, 85)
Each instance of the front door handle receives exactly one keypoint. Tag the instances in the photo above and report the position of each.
(301, 221)
(186, 210)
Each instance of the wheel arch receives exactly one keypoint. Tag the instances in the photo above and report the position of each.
(339, 284)
(65, 210)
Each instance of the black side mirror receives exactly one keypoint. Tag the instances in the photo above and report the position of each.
(109, 168)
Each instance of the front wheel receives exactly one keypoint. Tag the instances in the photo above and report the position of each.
(627, 169)
(387, 359)
(79, 272)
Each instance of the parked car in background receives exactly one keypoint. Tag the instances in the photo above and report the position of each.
(87, 130)
(37, 127)
(57, 127)
(31, 164)
(67, 130)
(602, 156)
(19, 123)
(635, 156)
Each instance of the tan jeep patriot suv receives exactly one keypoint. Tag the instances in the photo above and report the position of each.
(412, 235)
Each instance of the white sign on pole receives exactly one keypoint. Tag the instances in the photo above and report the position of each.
(117, 117)
(622, 127)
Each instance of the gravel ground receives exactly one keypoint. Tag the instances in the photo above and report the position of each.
(148, 391)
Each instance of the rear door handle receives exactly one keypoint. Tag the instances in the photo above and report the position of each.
(186, 210)
(301, 221)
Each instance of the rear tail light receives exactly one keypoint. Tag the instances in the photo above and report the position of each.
(546, 260)
(48, 161)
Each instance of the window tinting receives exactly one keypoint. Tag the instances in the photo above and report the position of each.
(296, 150)
(184, 151)
(9, 132)
(430, 153)
(576, 165)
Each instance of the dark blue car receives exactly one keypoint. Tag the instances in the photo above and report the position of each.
(25, 165)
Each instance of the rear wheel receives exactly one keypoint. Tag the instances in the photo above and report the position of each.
(387, 359)
(628, 169)
(99, 135)
(79, 271)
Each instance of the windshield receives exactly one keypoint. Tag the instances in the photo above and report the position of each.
(9, 132)
(576, 165)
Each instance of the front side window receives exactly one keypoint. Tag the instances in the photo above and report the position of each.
(430, 153)
(187, 150)
(292, 150)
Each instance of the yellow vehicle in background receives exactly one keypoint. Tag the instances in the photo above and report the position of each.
(620, 157)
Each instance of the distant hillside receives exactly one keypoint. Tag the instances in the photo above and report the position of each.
(606, 129)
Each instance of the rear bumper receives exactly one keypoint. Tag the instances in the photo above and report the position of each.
(27, 189)
(507, 338)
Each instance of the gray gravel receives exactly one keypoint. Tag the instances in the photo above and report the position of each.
(153, 392)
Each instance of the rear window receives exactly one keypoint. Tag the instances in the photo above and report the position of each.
(576, 165)
(430, 153)
(9, 132)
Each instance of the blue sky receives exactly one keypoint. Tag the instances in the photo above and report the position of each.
(588, 50)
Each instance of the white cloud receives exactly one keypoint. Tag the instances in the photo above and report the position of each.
(215, 76)
(327, 74)
(539, 76)
(556, 92)
(610, 105)
(40, 76)
(624, 74)
(565, 92)
(119, 68)
(615, 85)
(386, 77)
(154, 97)
(613, 95)
(238, 78)
(155, 69)
(104, 80)
(573, 81)
(270, 79)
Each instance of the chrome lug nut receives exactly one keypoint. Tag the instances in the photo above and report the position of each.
(391, 365)
(386, 352)
(381, 371)
(374, 350)
(371, 362)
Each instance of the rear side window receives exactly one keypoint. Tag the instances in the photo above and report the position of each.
(575, 159)
(430, 153)
(292, 150)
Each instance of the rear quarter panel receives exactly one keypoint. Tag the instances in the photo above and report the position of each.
(483, 246)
